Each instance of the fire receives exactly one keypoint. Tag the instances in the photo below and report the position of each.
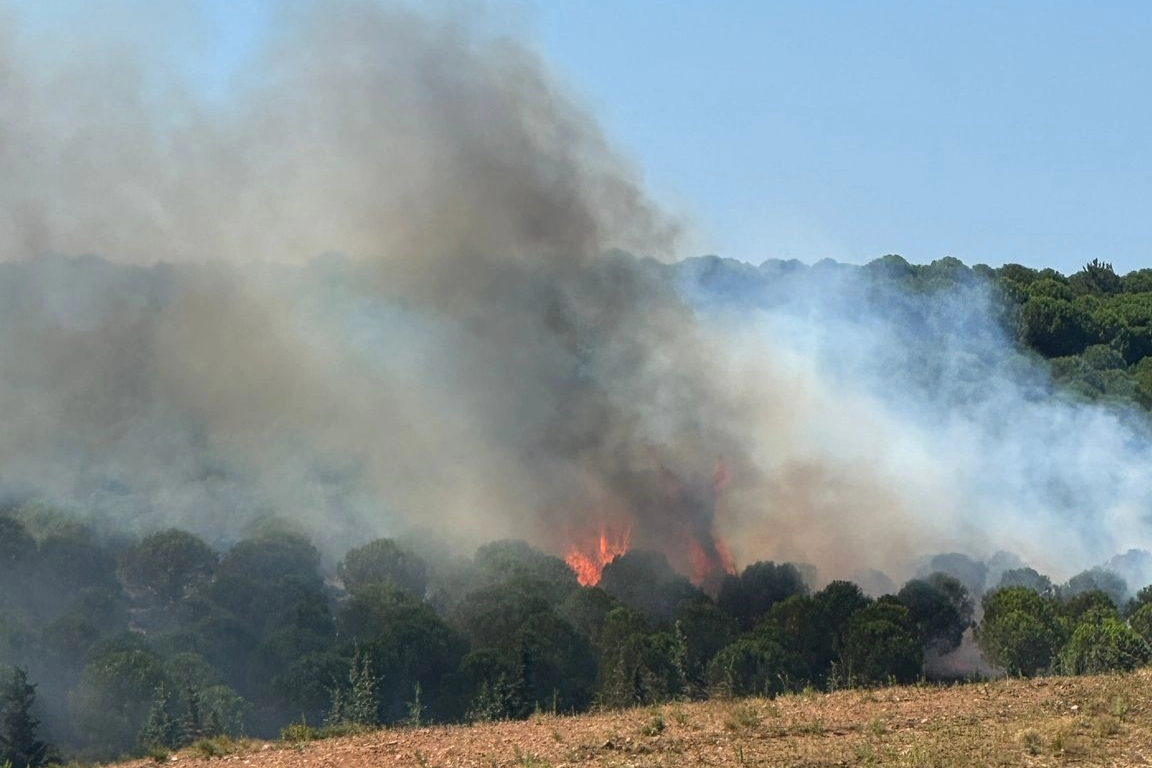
(674, 513)
(588, 562)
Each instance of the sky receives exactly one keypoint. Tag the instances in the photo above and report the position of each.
(990, 131)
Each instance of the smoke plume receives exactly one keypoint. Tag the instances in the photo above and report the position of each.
(374, 289)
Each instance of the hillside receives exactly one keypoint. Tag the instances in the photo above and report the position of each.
(1039, 722)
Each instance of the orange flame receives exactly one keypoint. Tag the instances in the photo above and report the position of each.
(588, 563)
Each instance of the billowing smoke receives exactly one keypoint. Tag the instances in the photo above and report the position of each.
(472, 365)
(475, 360)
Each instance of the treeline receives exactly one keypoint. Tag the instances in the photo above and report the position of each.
(1093, 326)
(135, 646)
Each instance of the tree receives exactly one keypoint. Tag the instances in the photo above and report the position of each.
(497, 690)
(755, 666)
(227, 711)
(941, 608)
(1097, 277)
(835, 606)
(356, 701)
(971, 573)
(510, 560)
(1094, 602)
(1099, 579)
(17, 554)
(161, 729)
(645, 582)
(408, 644)
(560, 664)
(706, 630)
(1020, 632)
(1029, 578)
(273, 582)
(1103, 643)
(1055, 327)
(882, 644)
(165, 566)
(748, 597)
(19, 747)
(194, 724)
(488, 616)
(111, 702)
(382, 562)
(637, 665)
(66, 564)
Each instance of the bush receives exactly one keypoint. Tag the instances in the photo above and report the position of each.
(1103, 644)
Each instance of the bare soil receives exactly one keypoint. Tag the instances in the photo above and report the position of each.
(1042, 722)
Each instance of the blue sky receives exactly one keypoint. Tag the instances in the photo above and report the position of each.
(989, 131)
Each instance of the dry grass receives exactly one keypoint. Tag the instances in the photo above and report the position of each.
(1048, 722)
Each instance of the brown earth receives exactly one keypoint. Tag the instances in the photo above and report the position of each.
(1043, 722)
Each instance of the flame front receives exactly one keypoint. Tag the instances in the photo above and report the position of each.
(588, 562)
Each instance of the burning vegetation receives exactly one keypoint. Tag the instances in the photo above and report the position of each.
(587, 559)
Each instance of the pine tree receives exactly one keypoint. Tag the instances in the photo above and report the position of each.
(193, 715)
(19, 746)
(337, 714)
(213, 724)
(161, 730)
(363, 704)
(356, 702)
(521, 702)
(416, 708)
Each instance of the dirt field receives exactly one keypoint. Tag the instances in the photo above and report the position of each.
(1054, 721)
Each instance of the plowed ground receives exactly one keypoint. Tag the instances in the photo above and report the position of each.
(1052, 721)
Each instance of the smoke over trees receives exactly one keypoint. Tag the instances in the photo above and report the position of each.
(273, 366)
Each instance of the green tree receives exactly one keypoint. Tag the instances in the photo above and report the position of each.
(1055, 327)
(515, 561)
(1097, 277)
(1029, 578)
(1020, 632)
(383, 562)
(66, 564)
(637, 664)
(882, 644)
(1103, 643)
(111, 702)
(1141, 621)
(645, 582)
(265, 581)
(706, 629)
(166, 566)
(755, 666)
(194, 725)
(941, 608)
(971, 573)
(408, 643)
(1098, 579)
(161, 729)
(19, 746)
(226, 711)
(18, 552)
(1093, 602)
(835, 605)
(748, 597)
(560, 663)
(356, 700)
